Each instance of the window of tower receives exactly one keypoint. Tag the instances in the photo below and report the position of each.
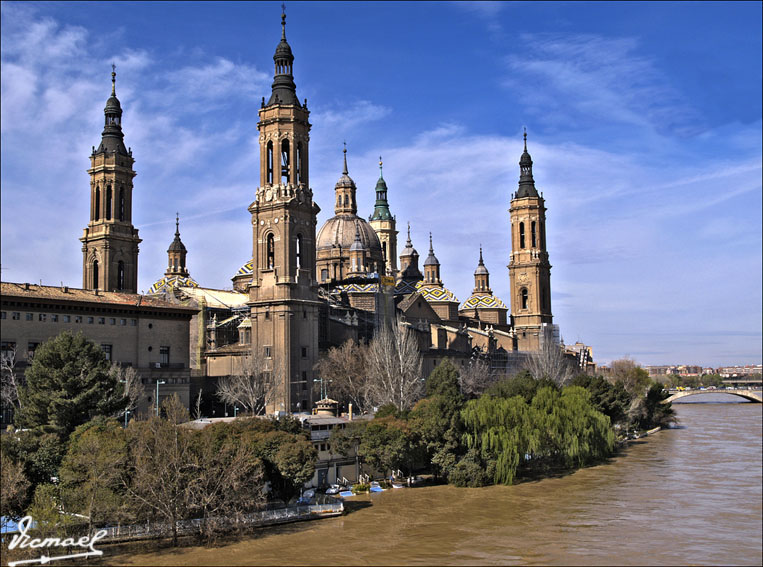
(121, 203)
(298, 254)
(543, 297)
(533, 234)
(521, 235)
(121, 275)
(298, 162)
(108, 202)
(97, 206)
(285, 161)
(523, 298)
(95, 274)
(271, 251)
(384, 251)
(324, 274)
(270, 163)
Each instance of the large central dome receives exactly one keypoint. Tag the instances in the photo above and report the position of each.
(339, 233)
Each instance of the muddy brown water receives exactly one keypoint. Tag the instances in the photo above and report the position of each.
(690, 495)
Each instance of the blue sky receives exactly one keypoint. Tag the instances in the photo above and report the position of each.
(644, 123)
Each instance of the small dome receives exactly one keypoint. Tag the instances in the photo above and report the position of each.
(436, 293)
(340, 231)
(112, 104)
(283, 50)
(246, 269)
(483, 302)
(167, 283)
(177, 246)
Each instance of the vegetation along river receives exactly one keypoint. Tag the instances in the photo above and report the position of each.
(690, 495)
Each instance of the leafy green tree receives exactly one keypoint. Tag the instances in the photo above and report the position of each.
(470, 471)
(68, 383)
(521, 384)
(390, 444)
(295, 462)
(443, 381)
(609, 398)
(93, 470)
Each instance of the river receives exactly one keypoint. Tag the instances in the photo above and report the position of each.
(690, 495)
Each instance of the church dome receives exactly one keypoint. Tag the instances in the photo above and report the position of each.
(340, 231)
(167, 283)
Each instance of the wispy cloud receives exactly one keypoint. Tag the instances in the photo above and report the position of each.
(597, 78)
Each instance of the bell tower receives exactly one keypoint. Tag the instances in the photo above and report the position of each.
(529, 268)
(283, 291)
(110, 241)
(383, 223)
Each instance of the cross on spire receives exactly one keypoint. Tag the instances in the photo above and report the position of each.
(113, 80)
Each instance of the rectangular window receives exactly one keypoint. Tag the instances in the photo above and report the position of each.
(30, 316)
(267, 314)
(42, 317)
(3, 315)
(133, 322)
(101, 320)
(67, 318)
(267, 352)
(112, 321)
(164, 355)
(304, 352)
(31, 347)
(304, 380)
(16, 316)
(107, 351)
(7, 350)
(123, 322)
(90, 320)
(78, 318)
(54, 318)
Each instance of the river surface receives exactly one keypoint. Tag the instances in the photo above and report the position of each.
(690, 495)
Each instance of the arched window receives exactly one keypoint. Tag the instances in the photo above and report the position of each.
(97, 206)
(298, 162)
(298, 254)
(285, 161)
(121, 275)
(108, 202)
(271, 251)
(270, 163)
(521, 235)
(384, 251)
(533, 233)
(523, 295)
(95, 274)
(121, 203)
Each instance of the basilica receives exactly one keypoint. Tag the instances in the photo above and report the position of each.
(307, 288)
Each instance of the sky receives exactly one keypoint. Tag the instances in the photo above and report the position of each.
(643, 120)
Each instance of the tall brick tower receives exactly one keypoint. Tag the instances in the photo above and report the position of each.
(529, 268)
(283, 291)
(110, 241)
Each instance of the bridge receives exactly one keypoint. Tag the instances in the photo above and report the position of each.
(746, 393)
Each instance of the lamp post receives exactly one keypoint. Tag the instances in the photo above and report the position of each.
(324, 387)
(157, 395)
(127, 412)
(235, 411)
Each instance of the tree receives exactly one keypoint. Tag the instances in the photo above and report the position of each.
(444, 381)
(609, 398)
(160, 466)
(394, 368)
(345, 369)
(9, 387)
(390, 444)
(257, 385)
(131, 385)
(13, 487)
(69, 382)
(92, 472)
(634, 378)
(550, 361)
(476, 377)
(521, 384)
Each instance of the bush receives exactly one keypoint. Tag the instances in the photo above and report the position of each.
(469, 472)
(360, 488)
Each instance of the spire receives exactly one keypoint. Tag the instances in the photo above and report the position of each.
(358, 244)
(345, 190)
(176, 254)
(112, 138)
(481, 269)
(284, 91)
(431, 259)
(381, 207)
(177, 244)
(526, 181)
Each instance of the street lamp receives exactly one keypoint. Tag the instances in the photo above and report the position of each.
(127, 412)
(157, 395)
(235, 411)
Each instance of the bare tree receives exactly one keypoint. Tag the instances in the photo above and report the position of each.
(197, 409)
(9, 388)
(258, 384)
(476, 377)
(131, 382)
(550, 361)
(394, 368)
(346, 370)
(634, 378)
